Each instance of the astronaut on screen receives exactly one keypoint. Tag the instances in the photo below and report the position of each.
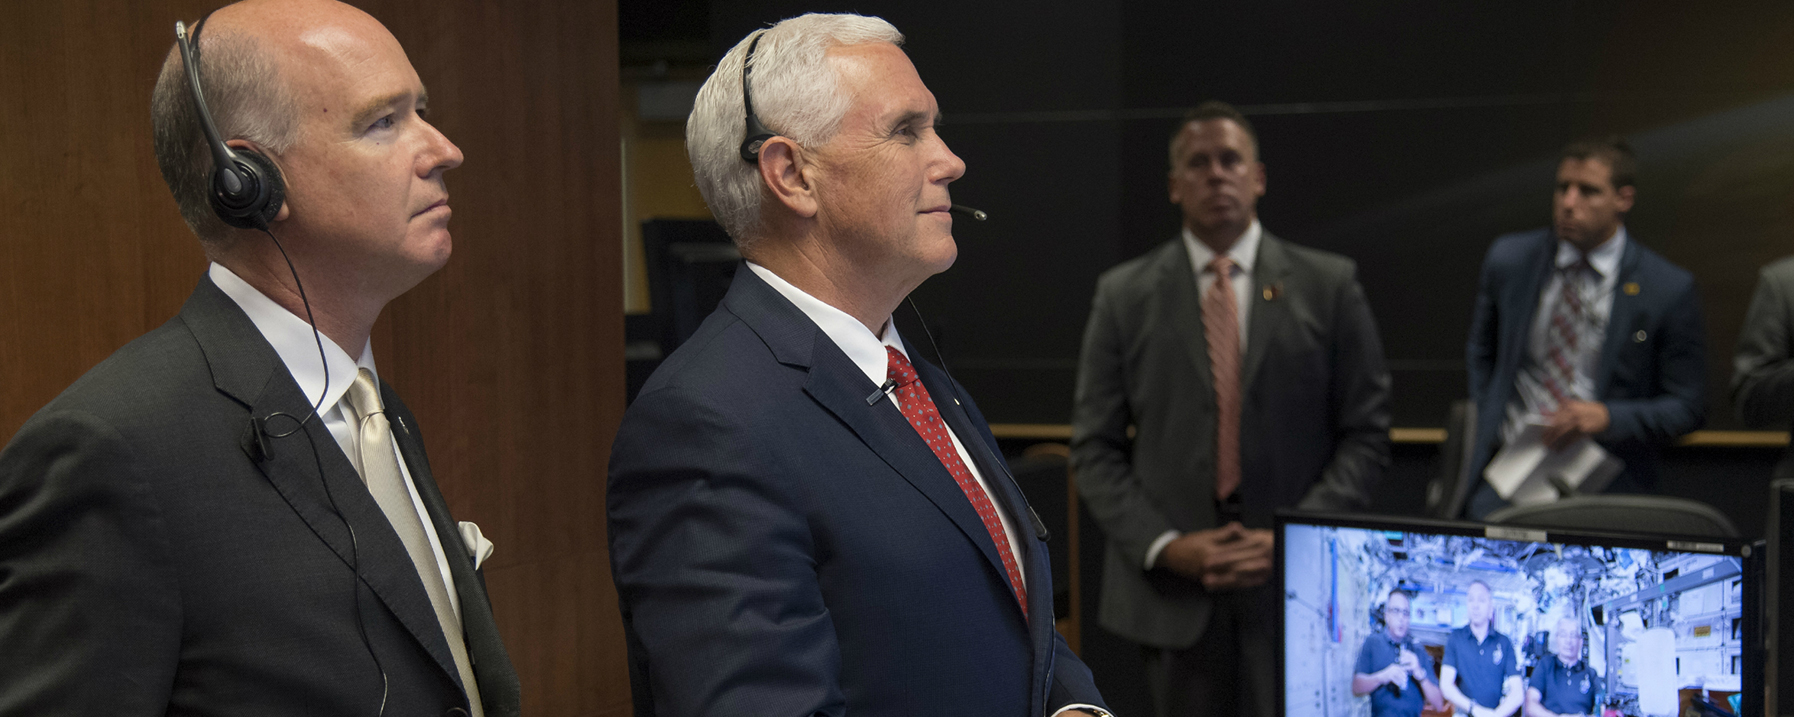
(1395, 671)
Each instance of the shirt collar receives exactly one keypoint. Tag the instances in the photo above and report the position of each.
(294, 341)
(866, 350)
(1605, 258)
(1243, 253)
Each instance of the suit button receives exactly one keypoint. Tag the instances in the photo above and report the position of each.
(455, 712)
(1639, 337)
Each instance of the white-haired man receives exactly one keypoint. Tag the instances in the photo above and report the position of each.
(804, 518)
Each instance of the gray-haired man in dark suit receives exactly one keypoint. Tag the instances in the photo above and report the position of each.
(1251, 374)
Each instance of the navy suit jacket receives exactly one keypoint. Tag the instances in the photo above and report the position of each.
(1652, 373)
(782, 546)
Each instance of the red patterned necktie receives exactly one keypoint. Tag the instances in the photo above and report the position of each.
(1221, 328)
(1570, 334)
(913, 400)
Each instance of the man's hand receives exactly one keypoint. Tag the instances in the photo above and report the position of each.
(1226, 558)
(1411, 665)
(1395, 675)
(1573, 421)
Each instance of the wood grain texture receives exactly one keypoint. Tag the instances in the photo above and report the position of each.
(511, 356)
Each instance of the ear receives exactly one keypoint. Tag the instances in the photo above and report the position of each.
(1258, 178)
(784, 170)
(1171, 187)
(243, 144)
(1622, 198)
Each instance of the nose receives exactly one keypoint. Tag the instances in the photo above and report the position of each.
(439, 154)
(949, 166)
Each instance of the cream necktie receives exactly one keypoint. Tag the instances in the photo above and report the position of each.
(379, 466)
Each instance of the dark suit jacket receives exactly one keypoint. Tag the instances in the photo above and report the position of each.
(780, 546)
(1314, 425)
(1763, 366)
(1652, 374)
(149, 565)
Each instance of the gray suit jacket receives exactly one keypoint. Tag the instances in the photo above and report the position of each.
(1763, 366)
(1314, 428)
(156, 559)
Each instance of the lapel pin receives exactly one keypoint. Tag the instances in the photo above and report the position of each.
(1631, 288)
(1639, 337)
(1272, 291)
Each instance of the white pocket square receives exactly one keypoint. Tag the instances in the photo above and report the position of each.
(478, 547)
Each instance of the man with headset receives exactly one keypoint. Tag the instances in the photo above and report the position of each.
(232, 514)
(807, 518)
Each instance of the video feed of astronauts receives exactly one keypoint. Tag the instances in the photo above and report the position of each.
(1394, 618)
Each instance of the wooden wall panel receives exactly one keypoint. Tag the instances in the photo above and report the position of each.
(511, 356)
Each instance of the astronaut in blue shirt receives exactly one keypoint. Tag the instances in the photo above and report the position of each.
(1393, 670)
(1481, 677)
(1563, 684)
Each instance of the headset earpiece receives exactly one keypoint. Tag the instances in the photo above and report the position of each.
(258, 194)
(247, 189)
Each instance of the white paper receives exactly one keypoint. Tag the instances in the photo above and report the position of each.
(1522, 471)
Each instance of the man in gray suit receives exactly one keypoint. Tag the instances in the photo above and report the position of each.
(234, 514)
(1763, 365)
(1250, 373)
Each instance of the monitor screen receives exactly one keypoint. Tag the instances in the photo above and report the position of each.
(1585, 623)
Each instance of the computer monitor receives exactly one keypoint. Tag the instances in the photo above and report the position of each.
(1664, 624)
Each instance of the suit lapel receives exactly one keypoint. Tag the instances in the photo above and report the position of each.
(1183, 310)
(840, 386)
(1038, 576)
(499, 689)
(1621, 318)
(1270, 310)
(1516, 335)
(291, 453)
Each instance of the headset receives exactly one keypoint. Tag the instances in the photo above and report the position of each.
(757, 133)
(247, 191)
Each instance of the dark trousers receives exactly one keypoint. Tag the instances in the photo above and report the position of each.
(1231, 670)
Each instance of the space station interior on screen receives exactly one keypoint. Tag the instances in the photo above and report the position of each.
(1649, 622)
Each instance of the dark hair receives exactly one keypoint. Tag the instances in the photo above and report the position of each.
(1611, 149)
(1214, 110)
(248, 101)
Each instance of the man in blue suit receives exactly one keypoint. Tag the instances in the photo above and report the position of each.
(806, 518)
(1582, 329)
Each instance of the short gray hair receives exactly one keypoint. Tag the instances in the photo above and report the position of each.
(796, 94)
(243, 88)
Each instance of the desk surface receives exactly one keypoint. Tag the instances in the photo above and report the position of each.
(1727, 439)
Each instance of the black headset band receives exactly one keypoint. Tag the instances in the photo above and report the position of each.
(757, 133)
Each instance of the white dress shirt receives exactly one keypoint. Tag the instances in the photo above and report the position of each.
(1244, 254)
(1530, 394)
(293, 340)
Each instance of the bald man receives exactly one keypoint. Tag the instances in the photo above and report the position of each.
(233, 515)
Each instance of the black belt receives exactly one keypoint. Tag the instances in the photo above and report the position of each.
(1227, 510)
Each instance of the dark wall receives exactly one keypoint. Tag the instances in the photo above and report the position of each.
(1405, 134)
